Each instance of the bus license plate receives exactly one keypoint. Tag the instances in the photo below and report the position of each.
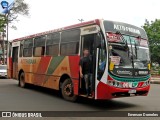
(132, 91)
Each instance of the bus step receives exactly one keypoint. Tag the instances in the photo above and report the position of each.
(90, 97)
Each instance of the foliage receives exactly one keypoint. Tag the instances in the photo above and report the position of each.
(153, 31)
(2, 22)
(19, 8)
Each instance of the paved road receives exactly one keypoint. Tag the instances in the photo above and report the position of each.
(13, 98)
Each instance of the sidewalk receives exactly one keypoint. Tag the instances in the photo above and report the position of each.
(155, 80)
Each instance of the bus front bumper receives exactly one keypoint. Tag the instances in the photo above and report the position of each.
(104, 91)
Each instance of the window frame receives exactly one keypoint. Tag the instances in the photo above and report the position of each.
(75, 40)
(57, 42)
(68, 54)
(47, 51)
(27, 54)
(43, 46)
(28, 47)
(21, 48)
(71, 36)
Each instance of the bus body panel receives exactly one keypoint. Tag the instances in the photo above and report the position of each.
(47, 71)
(9, 67)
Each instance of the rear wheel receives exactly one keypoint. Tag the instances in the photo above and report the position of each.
(67, 90)
(22, 80)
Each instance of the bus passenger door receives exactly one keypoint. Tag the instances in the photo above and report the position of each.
(15, 62)
(88, 35)
(101, 62)
(88, 42)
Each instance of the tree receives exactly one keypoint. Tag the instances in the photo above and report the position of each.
(19, 8)
(2, 22)
(153, 31)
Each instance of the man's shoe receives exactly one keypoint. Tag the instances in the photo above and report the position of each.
(86, 95)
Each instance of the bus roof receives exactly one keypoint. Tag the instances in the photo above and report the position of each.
(96, 21)
(109, 26)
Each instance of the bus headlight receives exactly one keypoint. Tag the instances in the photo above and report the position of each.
(120, 85)
(115, 83)
(110, 82)
(146, 83)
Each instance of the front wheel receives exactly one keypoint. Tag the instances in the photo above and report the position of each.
(67, 90)
(22, 80)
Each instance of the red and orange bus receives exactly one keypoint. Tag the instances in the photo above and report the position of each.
(120, 54)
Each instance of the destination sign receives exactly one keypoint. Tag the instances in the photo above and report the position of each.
(124, 28)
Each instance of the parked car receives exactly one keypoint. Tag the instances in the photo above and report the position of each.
(3, 71)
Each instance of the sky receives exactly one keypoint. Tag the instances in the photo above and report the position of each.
(51, 14)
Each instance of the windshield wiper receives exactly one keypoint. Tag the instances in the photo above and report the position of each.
(135, 45)
(132, 56)
(124, 41)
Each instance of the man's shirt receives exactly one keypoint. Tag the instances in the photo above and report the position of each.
(86, 64)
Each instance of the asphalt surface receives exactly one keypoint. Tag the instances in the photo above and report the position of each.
(14, 98)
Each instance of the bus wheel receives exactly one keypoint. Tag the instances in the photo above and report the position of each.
(67, 90)
(22, 80)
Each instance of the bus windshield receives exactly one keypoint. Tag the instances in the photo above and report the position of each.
(139, 52)
(129, 53)
(141, 57)
(119, 55)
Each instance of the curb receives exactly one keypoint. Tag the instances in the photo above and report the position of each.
(155, 81)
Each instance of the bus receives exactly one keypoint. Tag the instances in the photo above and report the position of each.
(120, 56)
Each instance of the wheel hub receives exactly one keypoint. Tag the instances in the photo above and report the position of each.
(68, 89)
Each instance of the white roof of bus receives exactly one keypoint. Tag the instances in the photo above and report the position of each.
(60, 29)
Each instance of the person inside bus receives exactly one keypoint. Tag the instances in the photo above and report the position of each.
(86, 70)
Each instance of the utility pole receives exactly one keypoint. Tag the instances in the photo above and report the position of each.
(4, 56)
(7, 26)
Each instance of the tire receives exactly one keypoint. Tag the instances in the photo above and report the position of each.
(67, 91)
(22, 83)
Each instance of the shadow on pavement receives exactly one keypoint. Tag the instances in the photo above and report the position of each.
(106, 104)
(98, 104)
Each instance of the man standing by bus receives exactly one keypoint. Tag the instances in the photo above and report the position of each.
(86, 70)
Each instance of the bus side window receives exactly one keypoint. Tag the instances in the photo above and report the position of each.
(27, 48)
(39, 46)
(70, 42)
(39, 51)
(52, 50)
(52, 44)
(70, 48)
